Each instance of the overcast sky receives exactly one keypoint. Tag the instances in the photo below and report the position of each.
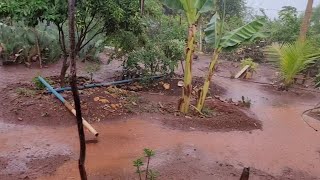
(274, 5)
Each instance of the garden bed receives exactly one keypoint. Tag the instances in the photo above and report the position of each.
(23, 104)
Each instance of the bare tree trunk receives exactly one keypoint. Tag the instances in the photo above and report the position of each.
(37, 45)
(64, 68)
(75, 91)
(65, 63)
(141, 6)
(306, 21)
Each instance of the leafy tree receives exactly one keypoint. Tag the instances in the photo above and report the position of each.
(192, 10)
(286, 28)
(93, 19)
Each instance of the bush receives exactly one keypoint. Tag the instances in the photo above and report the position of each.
(293, 58)
(19, 41)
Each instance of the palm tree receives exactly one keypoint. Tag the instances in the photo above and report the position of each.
(306, 21)
(192, 10)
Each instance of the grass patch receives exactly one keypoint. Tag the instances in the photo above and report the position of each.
(25, 92)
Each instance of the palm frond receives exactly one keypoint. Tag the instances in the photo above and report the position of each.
(292, 59)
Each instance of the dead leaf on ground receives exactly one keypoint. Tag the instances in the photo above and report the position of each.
(114, 106)
(96, 99)
(166, 86)
(105, 101)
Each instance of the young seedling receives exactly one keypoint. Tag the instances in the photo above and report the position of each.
(153, 175)
(138, 163)
(148, 154)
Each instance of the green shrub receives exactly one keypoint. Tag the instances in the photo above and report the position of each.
(249, 61)
(293, 58)
(38, 84)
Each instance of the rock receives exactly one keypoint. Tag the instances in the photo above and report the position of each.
(180, 84)
(20, 119)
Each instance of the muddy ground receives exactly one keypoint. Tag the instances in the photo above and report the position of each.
(39, 138)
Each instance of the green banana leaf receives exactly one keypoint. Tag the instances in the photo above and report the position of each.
(210, 32)
(244, 33)
(192, 8)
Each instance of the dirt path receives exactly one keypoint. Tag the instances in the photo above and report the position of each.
(286, 148)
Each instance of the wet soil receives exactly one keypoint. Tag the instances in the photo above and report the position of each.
(315, 115)
(23, 104)
(286, 148)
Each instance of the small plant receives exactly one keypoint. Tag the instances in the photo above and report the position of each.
(246, 102)
(138, 163)
(252, 67)
(92, 68)
(38, 84)
(25, 92)
(293, 58)
(208, 111)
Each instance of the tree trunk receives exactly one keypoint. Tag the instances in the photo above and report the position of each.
(184, 104)
(200, 38)
(141, 7)
(75, 91)
(306, 21)
(64, 68)
(65, 63)
(204, 90)
(37, 45)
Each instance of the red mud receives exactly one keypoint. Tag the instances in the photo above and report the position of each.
(286, 148)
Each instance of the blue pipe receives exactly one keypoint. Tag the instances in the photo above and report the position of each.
(102, 84)
(44, 82)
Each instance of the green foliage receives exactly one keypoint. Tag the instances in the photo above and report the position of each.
(148, 152)
(233, 9)
(38, 84)
(293, 58)
(19, 41)
(158, 49)
(138, 163)
(249, 61)
(25, 92)
(191, 8)
(216, 38)
(285, 29)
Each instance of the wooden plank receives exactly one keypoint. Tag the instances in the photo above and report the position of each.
(244, 69)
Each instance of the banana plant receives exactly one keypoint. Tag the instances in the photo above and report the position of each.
(219, 40)
(192, 10)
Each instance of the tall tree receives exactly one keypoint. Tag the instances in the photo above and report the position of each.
(75, 92)
(306, 21)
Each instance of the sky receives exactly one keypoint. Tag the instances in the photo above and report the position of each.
(272, 6)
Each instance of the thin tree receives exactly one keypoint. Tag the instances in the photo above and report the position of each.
(141, 6)
(306, 21)
(75, 92)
